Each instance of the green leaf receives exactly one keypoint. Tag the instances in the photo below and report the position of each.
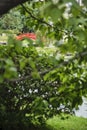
(35, 74)
(10, 69)
(53, 11)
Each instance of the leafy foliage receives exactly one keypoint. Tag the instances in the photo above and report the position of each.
(36, 83)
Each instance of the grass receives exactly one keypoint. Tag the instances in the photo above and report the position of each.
(69, 123)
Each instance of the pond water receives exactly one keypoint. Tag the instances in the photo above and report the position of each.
(82, 112)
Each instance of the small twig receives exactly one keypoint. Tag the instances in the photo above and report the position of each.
(18, 79)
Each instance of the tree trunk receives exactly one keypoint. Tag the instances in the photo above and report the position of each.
(6, 5)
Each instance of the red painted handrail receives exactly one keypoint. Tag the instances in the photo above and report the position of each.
(31, 36)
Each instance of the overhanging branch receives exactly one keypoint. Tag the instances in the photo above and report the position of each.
(34, 17)
(42, 20)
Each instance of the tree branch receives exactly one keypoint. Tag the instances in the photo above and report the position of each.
(79, 55)
(34, 17)
(41, 20)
